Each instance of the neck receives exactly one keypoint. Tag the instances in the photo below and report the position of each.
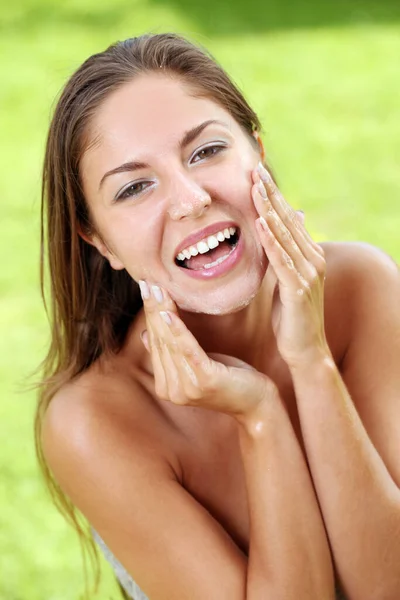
(246, 334)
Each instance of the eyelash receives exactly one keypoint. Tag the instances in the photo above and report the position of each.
(217, 147)
(127, 192)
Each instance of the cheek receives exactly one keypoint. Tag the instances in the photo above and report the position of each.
(238, 182)
(121, 235)
(134, 237)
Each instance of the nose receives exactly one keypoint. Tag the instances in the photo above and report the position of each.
(187, 198)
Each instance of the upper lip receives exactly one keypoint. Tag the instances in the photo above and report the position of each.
(195, 237)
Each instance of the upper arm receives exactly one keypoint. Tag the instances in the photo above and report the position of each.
(371, 366)
(165, 539)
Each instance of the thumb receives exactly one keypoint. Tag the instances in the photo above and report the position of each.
(230, 361)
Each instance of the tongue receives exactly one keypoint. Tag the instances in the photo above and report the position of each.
(197, 262)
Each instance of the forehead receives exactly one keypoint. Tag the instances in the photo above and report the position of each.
(151, 113)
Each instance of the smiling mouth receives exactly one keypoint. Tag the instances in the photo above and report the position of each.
(212, 257)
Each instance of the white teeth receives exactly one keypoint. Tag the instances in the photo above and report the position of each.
(207, 244)
(212, 242)
(202, 247)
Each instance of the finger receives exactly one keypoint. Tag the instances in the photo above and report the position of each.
(281, 262)
(286, 213)
(288, 230)
(154, 343)
(189, 357)
(268, 198)
(185, 352)
(272, 225)
(180, 354)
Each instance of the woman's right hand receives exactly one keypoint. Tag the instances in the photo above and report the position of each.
(186, 375)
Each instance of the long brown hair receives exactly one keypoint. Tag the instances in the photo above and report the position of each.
(90, 305)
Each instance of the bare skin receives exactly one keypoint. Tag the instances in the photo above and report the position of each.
(115, 401)
(203, 445)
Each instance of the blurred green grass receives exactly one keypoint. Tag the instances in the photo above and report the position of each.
(324, 78)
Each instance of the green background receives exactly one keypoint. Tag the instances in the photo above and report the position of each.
(324, 78)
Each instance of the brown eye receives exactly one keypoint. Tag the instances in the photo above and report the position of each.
(207, 152)
(133, 190)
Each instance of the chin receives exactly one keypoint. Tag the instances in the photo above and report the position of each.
(227, 298)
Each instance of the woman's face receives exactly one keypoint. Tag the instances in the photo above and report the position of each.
(165, 165)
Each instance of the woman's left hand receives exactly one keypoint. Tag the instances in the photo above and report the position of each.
(297, 265)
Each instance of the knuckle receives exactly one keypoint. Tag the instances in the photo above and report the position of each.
(194, 393)
(274, 192)
(291, 216)
(320, 266)
(206, 385)
(314, 276)
(191, 355)
(156, 344)
(179, 398)
(286, 260)
(173, 347)
(208, 378)
(296, 223)
(305, 285)
(319, 249)
(287, 237)
(176, 330)
(161, 391)
(151, 309)
(271, 389)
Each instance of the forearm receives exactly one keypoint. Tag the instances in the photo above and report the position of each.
(359, 500)
(289, 556)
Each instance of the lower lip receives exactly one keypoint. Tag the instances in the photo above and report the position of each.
(222, 268)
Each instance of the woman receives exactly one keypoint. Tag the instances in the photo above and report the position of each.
(232, 432)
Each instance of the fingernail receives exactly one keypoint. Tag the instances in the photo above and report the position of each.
(260, 168)
(263, 223)
(262, 171)
(157, 293)
(262, 190)
(301, 215)
(165, 316)
(144, 289)
(144, 338)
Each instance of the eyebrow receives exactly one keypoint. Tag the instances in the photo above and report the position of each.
(188, 138)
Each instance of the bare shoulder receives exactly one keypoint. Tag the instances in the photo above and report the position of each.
(356, 258)
(352, 267)
(98, 409)
(355, 273)
(111, 458)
